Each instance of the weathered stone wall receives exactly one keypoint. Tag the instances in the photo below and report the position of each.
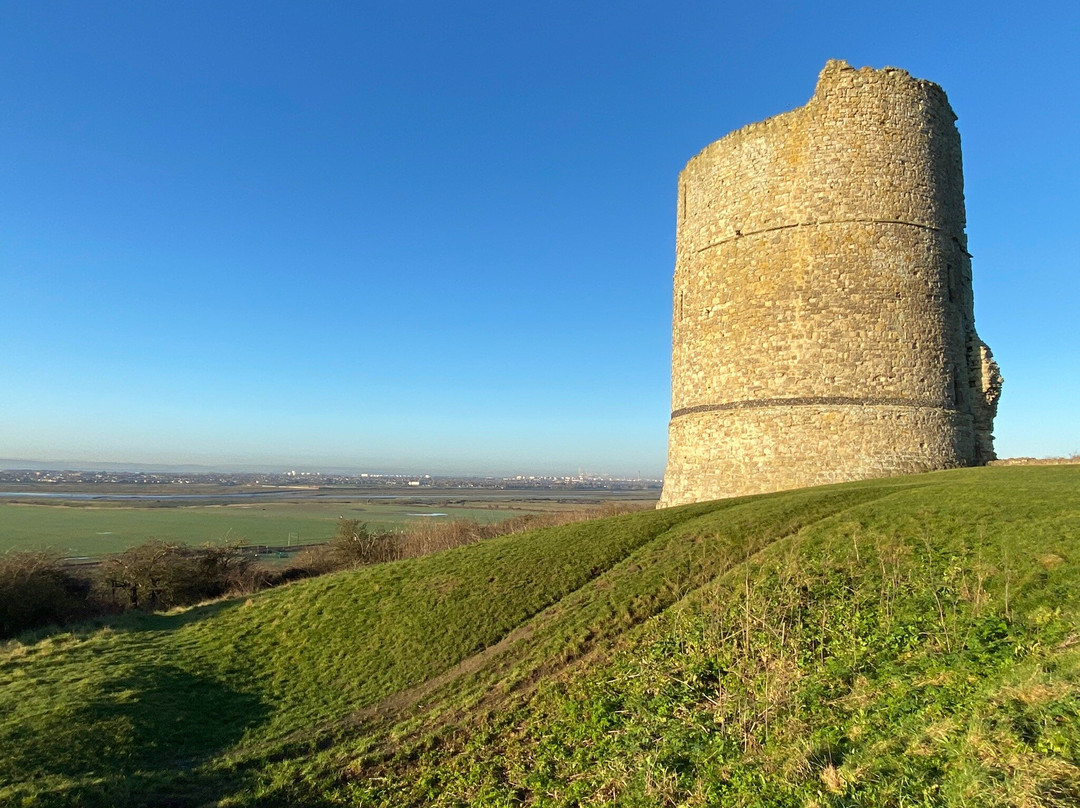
(823, 313)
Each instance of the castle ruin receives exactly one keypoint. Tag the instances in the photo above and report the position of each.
(823, 314)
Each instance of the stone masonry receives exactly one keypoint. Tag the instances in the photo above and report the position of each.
(823, 316)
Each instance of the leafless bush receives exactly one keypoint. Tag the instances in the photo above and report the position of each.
(159, 575)
(352, 546)
(355, 545)
(36, 589)
(318, 559)
(431, 537)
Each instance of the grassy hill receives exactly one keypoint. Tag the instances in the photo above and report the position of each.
(911, 641)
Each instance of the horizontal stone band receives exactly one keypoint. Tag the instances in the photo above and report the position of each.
(794, 225)
(805, 401)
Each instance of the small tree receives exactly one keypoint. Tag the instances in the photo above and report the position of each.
(159, 575)
(139, 574)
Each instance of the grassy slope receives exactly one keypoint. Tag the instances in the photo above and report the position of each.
(906, 641)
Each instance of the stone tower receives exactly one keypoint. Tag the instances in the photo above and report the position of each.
(823, 314)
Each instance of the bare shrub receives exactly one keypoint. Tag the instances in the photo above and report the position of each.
(160, 575)
(355, 545)
(36, 590)
(352, 546)
(318, 559)
(431, 537)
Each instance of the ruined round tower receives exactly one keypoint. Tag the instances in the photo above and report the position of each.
(823, 315)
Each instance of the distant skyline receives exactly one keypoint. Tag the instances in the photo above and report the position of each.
(440, 238)
(23, 464)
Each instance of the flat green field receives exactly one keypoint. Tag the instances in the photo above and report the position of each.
(99, 528)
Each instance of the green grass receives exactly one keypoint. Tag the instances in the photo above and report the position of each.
(913, 641)
(94, 530)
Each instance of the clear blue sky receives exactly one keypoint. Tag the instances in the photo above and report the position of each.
(440, 236)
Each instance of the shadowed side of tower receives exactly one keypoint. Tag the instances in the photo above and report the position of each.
(823, 315)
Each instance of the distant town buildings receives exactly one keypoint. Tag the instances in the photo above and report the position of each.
(314, 479)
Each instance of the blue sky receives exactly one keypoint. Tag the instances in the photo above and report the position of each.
(440, 237)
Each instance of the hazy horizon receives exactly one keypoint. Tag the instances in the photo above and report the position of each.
(283, 467)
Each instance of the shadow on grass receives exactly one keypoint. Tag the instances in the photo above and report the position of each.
(142, 741)
(170, 621)
(130, 622)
